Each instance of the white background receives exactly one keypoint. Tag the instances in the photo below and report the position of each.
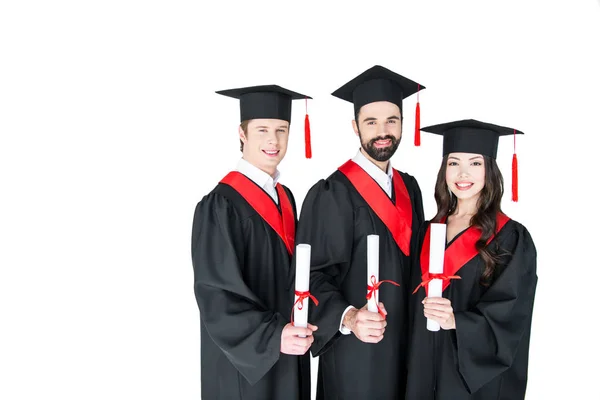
(111, 133)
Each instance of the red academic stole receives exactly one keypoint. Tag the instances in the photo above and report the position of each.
(284, 224)
(460, 252)
(397, 218)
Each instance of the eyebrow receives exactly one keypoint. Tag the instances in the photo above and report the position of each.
(456, 158)
(264, 126)
(375, 119)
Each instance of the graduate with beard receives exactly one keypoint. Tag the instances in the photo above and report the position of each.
(489, 279)
(242, 246)
(362, 353)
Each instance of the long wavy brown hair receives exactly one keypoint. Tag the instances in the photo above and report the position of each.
(488, 207)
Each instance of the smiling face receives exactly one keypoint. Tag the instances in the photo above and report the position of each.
(379, 128)
(465, 175)
(265, 143)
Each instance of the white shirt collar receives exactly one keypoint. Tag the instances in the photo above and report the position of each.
(260, 177)
(384, 179)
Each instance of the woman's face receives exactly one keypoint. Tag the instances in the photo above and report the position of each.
(465, 175)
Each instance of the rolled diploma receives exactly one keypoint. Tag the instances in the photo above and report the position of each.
(302, 284)
(437, 247)
(373, 269)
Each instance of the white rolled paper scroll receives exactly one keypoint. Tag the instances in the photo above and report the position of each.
(373, 269)
(302, 284)
(437, 247)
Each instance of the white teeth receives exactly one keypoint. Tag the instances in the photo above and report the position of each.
(464, 185)
(271, 152)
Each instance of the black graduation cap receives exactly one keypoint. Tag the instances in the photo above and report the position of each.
(268, 102)
(380, 84)
(472, 136)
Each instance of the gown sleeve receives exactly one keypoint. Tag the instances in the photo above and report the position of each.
(238, 322)
(488, 335)
(416, 276)
(417, 204)
(326, 223)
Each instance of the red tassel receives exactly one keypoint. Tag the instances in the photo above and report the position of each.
(418, 126)
(308, 148)
(418, 120)
(515, 178)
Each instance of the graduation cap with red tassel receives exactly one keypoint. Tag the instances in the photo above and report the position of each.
(378, 84)
(472, 136)
(269, 102)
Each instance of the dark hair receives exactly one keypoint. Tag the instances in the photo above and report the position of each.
(244, 126)
(488, 207)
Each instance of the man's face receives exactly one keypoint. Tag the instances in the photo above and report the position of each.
(265, 143)
(379, 128)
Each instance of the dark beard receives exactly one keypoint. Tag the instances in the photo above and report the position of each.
(380, 154)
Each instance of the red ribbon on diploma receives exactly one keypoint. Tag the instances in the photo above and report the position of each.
(435, 276)
(301, 297)
(375, 286)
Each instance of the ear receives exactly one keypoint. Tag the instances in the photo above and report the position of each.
(355, 127)
(242, 135)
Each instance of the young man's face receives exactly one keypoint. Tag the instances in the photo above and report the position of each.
(379, 128)
(265, 143)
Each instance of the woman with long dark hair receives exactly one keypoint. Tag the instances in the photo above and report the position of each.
(489, 280)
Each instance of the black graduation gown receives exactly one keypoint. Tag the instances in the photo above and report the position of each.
(486, 357)
(335, 220)
(243, 283)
